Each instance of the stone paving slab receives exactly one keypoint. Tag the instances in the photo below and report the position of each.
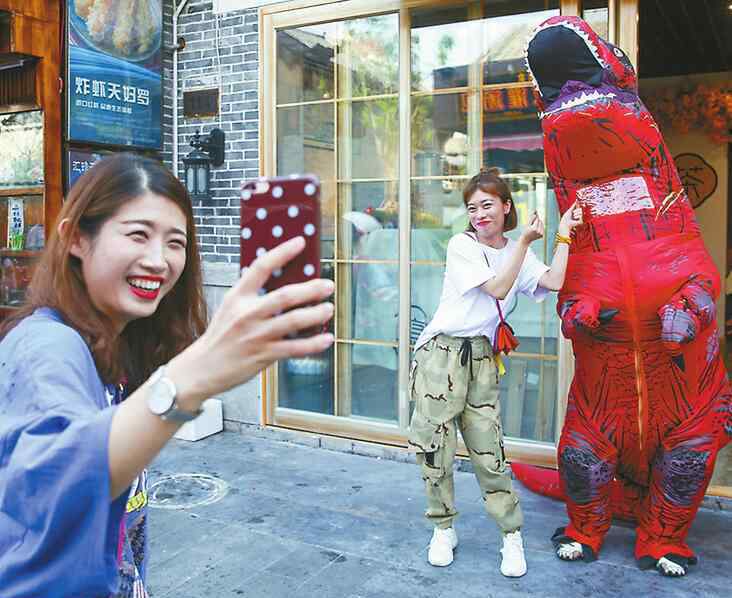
(308, 522)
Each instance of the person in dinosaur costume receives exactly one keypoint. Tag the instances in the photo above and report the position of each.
(649, 405)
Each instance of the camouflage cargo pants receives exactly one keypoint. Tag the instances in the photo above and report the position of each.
(454, 384)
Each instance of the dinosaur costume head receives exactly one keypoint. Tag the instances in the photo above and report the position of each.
(602, 146)
(565, 49)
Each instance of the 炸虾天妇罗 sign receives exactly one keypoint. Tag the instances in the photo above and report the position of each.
(114, 72)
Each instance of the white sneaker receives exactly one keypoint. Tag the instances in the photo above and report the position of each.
(442, 544)
(513, 563)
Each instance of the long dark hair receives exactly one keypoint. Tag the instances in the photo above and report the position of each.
(489, 181)
(145, 343)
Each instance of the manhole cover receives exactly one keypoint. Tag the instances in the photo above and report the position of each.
(186, 491)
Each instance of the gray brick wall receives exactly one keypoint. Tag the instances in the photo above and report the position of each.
(167, 115)
(221, 52)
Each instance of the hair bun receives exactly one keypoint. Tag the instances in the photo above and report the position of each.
(494, 170)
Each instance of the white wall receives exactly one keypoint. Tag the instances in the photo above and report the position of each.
(242, 403)
(712, 214)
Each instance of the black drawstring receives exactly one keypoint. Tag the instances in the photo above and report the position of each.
(466, 355)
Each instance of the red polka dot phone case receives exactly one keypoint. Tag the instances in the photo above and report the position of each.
(274, 210)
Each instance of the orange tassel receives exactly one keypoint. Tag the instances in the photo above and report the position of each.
(504, 341)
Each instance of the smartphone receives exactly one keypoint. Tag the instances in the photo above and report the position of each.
(274, 210)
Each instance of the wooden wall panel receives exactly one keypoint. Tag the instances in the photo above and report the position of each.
(36, 31)
(45, 10)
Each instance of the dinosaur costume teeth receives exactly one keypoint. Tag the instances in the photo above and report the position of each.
(650, 403)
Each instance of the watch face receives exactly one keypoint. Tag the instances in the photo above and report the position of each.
(161, 398)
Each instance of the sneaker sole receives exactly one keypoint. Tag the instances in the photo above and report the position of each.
(513, 576)
(440, 564)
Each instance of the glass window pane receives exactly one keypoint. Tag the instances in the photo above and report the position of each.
(369, 221)
(368, 56)
(305, 140)
(507, 28)
(528, 398)
(531, 193)
(306, 383)
(444, 46)
(597, 14)
(440, 143)
(425, 297)
(305, 63)
(328, 219)
(437, 214)
(512, 137)
(368, 302)
(368, 139)
(723, 469)
(368, 382)
(21, 149)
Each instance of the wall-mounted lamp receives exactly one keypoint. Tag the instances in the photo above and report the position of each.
(207, 151)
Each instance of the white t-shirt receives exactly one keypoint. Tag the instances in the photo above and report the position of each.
(465, 310)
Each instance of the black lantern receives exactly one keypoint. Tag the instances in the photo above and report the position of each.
(207, 151)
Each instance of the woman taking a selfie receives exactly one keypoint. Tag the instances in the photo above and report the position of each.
(456, 366)
(102, 365)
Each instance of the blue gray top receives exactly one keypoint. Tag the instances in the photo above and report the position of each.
(61, 535)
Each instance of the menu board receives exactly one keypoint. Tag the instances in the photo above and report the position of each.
(114, 84)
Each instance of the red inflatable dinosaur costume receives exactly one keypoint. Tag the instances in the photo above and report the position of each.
(649, 406)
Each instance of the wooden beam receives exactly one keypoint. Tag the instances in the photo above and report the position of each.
(571, 8)
(627, 32)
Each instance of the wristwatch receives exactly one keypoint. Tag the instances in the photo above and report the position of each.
(161, 399)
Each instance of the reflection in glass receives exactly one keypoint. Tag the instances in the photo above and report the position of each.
(369, 221)
(440, 144)
(21, 149)
(426, 289)
(507, 34)
(528, 394)
(368, 381)
(512, 137)
(368, 138)
(305, 140)
(368, 56)
(306, 383)
(444, 45)
(305, 63)
(437, 214)
(597, 14)
(530, 193)
(368, 302)
(328, 219)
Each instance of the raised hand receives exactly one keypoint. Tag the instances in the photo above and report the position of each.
(534, 230)
(571, 218)
(249, 331)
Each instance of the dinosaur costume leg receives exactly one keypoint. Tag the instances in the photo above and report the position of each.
(684, 460)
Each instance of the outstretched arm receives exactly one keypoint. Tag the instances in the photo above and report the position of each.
(553, 279)
(246, 334)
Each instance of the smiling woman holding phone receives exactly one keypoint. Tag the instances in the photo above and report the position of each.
(111, 354)
(455, 371)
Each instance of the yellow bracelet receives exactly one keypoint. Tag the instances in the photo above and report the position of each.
(562, 239)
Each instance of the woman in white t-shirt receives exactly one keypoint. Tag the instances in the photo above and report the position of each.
(454, 375)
